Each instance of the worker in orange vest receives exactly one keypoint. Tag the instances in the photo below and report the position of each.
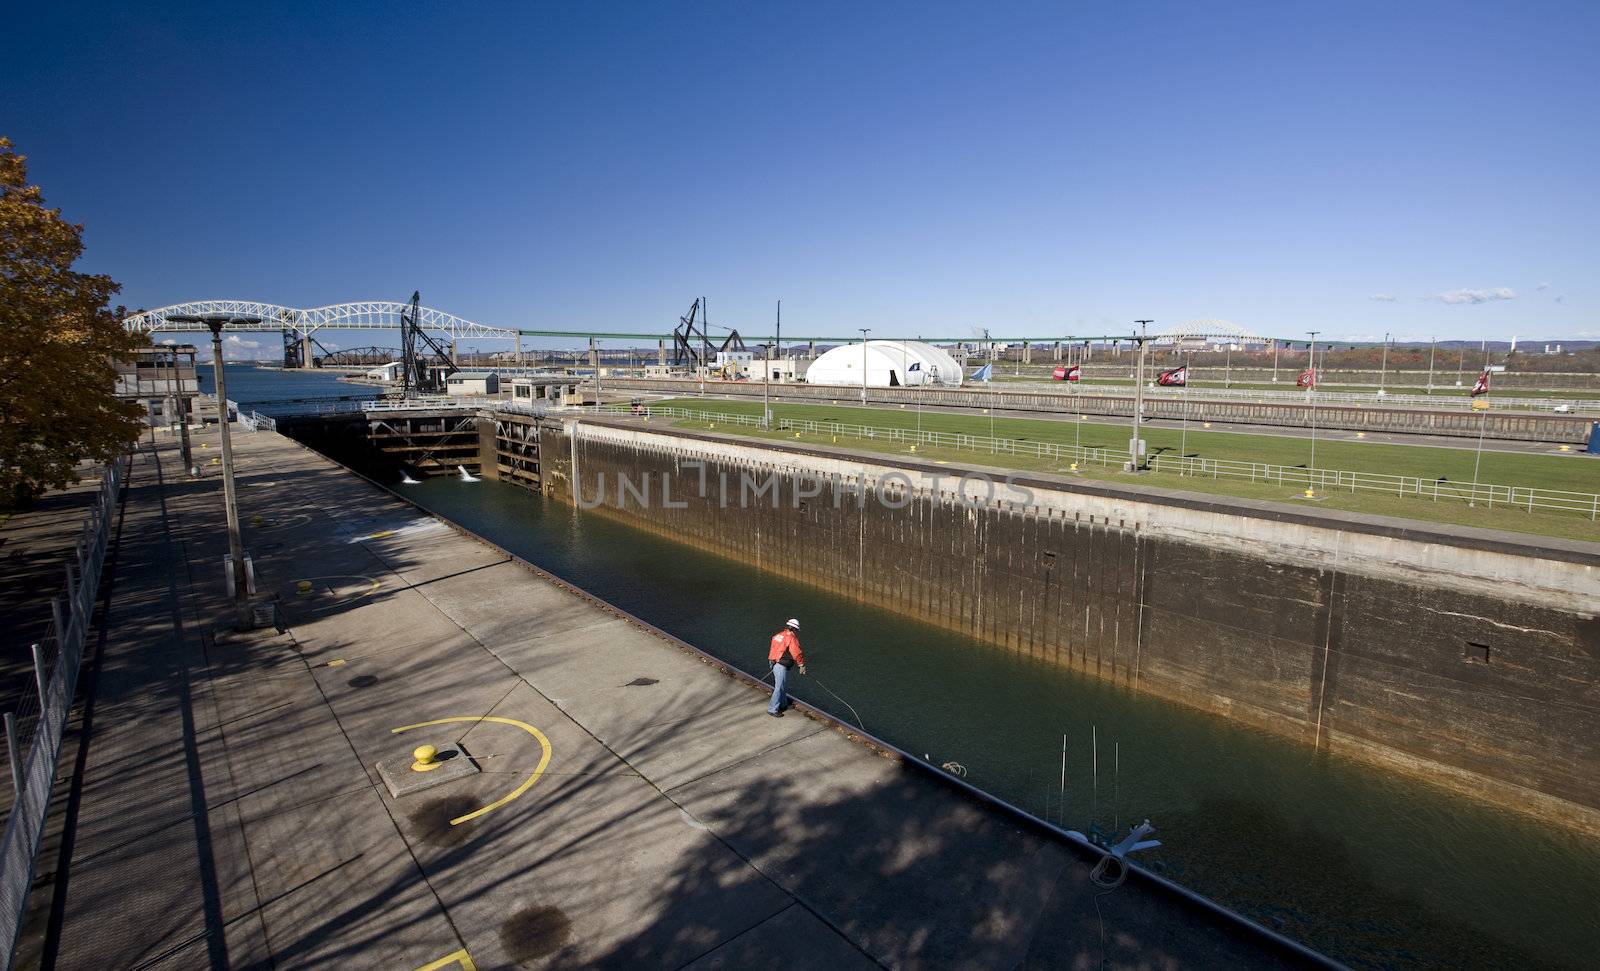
(785, 654)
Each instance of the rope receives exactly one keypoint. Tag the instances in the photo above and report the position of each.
(842, 702)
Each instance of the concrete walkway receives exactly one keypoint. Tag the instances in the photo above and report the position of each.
(223, 809)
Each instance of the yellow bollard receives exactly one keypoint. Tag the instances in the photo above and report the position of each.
(1207, 425)
(1311, 493)
(425, 756)
(302, 587)
(1073, 467)
(1361, 434)
(1564, 448)
(255, 520)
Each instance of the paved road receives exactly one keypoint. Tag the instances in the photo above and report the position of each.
(225, 812)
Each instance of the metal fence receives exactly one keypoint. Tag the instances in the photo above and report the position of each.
(255, 421)
(40, 721)
(1321, 480)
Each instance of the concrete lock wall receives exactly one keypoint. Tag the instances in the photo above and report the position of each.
(1473, 661)
(1501, 424)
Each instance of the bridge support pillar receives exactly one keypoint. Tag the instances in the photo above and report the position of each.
(453, 358)
(811, 350)
(519, 350)
(1055, 354)
(594, 355)
(661, 352)
(1027, 353)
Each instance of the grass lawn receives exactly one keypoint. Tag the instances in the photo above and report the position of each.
(1338, 450)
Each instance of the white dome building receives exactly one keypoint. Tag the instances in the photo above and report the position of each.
(889, 364)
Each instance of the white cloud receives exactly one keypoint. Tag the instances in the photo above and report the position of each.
(238, 341)
(170, 341)
(1545, 285)
(1384, 297)
(1477, 296)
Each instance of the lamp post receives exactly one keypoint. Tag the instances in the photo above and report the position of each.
(1383, 368)
(1433, 343)
(1311, 387)
(215, 322)
(1136, 446)
(864, 332)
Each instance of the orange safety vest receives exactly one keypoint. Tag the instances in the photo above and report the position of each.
(786, 645)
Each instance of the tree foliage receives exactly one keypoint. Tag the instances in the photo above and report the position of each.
(58, 342)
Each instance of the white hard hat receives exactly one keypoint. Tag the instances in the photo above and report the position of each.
(793, 623)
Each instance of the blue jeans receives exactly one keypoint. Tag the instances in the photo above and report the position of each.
(780, 698)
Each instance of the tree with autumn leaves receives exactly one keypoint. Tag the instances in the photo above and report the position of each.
(58, 342)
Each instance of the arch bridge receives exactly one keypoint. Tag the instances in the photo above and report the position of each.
(361, 315)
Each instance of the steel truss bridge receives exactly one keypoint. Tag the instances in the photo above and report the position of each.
(302, 323)
(298, 325)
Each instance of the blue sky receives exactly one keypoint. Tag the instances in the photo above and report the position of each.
(1414, 168)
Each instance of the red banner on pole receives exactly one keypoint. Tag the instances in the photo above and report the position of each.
(1481, 386)
(1064, 373)
(1175, 378)
(1307, 379)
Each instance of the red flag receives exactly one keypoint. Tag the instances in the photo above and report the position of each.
(1064, 373)
(1307, 379)
(1481, 386)
(1175, 378)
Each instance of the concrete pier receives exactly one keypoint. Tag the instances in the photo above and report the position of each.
(635, 807)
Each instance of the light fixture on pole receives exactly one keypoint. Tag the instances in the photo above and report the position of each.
(1311, 387)
(1383, 368)
(236, 559)
(864, 332)
(1136, 445)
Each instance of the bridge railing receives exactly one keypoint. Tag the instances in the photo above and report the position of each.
(1490, 495)
(34, 730)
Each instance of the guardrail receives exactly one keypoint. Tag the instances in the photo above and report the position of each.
(1439, 401)
(1300, 477)
(41, 720)
(255, 421)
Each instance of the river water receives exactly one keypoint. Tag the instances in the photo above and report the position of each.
(1367, 866)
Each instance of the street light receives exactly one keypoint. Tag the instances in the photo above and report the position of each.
(1311, 387)
(1383, 368)
(215, 322)
(1136, 447)
(864, 332)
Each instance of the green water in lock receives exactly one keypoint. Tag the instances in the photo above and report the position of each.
(1369, 867)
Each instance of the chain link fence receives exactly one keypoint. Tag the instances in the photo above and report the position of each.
(33, 732)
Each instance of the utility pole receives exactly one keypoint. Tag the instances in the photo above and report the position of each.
(1383, 368)
(1275, 346)
(241, 588)
(1136, 446)
(1311, 386)
(1433, 343)
(864, 332)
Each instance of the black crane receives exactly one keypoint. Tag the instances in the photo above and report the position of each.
(425, 361)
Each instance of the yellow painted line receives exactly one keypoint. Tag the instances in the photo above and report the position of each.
(544, 759)
(380, 534)
(461, 958)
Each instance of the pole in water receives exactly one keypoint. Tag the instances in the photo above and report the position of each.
(1063, 780)
(1116, 785)
(1094, 755)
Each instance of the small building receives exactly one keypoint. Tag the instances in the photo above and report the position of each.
(550, 388)
(162, 379)
(387, 372)
(779, 369)
(472, 382)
